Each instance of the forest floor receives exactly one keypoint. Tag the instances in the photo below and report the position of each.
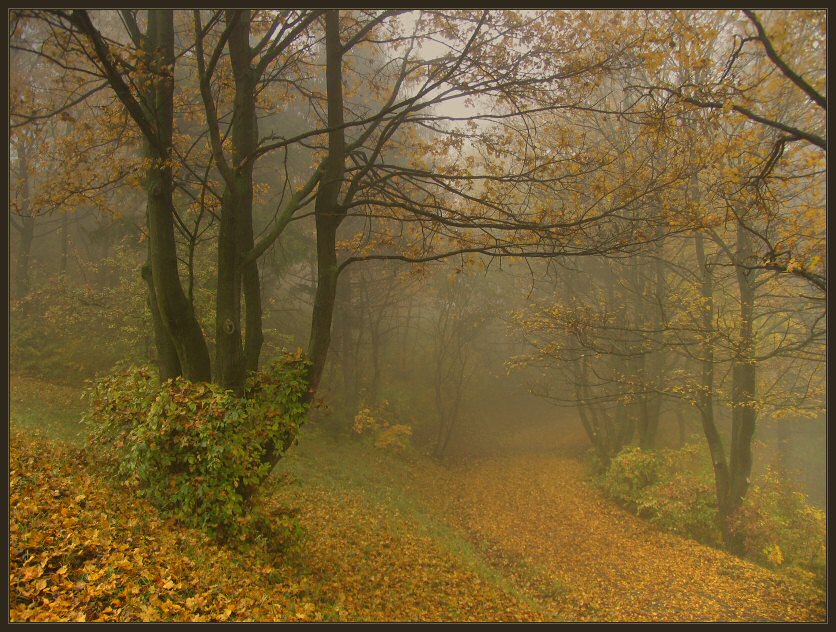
(385, 538)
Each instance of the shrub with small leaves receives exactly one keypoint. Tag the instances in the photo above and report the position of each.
(780, 529)
(685, 504)
(675, 489)
(116, 404)
(630, 472)
(194, 449)
(671, 488)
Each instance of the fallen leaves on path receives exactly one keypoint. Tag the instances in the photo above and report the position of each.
(381, 567)
(540, 511)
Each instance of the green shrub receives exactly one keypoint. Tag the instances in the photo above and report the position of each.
(671, 488)
(780, 529)
(684, 504)
(117, 404)
(675, 490)
(194, 449)
(630, 473)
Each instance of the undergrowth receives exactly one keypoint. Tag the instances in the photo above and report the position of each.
(674, 489)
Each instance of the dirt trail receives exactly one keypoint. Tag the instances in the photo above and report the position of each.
(602, 563)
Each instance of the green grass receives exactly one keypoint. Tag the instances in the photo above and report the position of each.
(347, 464)
(51, 409)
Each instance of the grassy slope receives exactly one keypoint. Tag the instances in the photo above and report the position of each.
(386, 538)
(52, 409)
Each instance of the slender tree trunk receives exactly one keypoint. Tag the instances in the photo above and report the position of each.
(229, 350)
(782, 432)
(327, 212)
(404, 358)
(24, 256)
(654, 360)
(374, 385)
(237, 351)
(65, 244)
(253, 325)
(440, 410)
(455, 404)
(705, 396)
(245, 141)
(680, 422)
(744, 381)
(348, 351)
(600, 427)
(376, 343)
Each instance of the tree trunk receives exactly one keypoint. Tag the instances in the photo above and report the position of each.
(245, 142)
(680, 423)
(348, 352)
(705, 396)
(235, 236)
(654, 360)
(65, 244)
(744, 382)
(229, 351)
(375, 339)
(24, 256)
(166, 358)
(176, 312)
(327, 212)
(782, 433)
(253, 325)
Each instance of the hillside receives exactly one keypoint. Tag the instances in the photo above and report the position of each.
(383, 538)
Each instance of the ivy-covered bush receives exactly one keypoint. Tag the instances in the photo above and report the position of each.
(194, 449)
(780, 529)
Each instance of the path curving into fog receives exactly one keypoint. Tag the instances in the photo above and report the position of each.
(593, 561)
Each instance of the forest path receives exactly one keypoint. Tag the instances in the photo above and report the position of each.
(591, 560)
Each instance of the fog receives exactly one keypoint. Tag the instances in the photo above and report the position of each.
(417, 315)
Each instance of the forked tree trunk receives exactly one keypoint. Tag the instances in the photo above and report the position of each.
(176, 313)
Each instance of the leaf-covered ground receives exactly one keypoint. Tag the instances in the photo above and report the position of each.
(386, 539)
(540, 511)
